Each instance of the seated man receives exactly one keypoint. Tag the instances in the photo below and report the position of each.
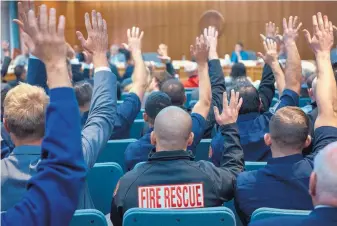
(238, 54)
(95, 133)
(52, 194)
(83, 92)
(253, 121)
(192, 72)
(284, 182)
(180, 182)
(139, 151)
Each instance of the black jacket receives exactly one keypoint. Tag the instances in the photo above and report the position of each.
(168, 176)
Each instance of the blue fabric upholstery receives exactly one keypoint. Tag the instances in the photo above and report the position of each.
(249, 166)
(137, 129)
(102, 180)
(114, 152)
(202, 151)
(88, 217)
(264, 213)
(215, 216)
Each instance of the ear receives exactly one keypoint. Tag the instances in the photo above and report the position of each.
(307, 141)
(6, 125)
(153, 138)
(313, 184)
(190, 139)
(145, 117)
(267, 139)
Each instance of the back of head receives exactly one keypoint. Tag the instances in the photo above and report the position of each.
(251, 99)
(289, 129)
(175, 90)
(83, 92)
(238, 70)
(24, 111)
(172, 129)
(325, 167)
(156, 102)
(20, 72)
(161, 77)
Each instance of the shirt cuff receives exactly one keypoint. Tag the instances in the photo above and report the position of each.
(33, 57)
(86, 66)
(74, 61)
(102, 69)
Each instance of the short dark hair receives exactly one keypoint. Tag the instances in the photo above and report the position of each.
(289, 127)
(156, 102)
(83, 92)
(238, 69)
(175, 90)
(161, 77)
(249, 94)
(19, 70)
(240, 44)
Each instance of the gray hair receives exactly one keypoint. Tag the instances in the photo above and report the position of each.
(326, 170)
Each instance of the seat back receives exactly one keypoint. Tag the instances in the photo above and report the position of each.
(202, 151)
(114, 151)
(140, 114)
(88, 217)
(263, 213)
(137, 128)
(249, 166)
(102, 180)
(215, 216)
(304, 101)
(188, 95)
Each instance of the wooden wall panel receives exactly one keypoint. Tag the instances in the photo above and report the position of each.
(176, 23)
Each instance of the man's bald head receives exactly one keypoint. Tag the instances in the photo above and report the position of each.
(172, 130)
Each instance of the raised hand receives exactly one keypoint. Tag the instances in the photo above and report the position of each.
(70, 52)
(5, 48)
(211, 35)
(322, 39)
(23, 9)
(270, 48)
(97, 41)
(230, 111)
(200, 50)
(162, 51)
(135, 37)
(290, 29)
(271, 30)
(87, 57)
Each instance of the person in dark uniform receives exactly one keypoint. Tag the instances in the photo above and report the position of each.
(189, 184)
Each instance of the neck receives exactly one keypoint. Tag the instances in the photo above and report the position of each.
(283, 152)
(160, 148)
(327, 200)
(20, 142)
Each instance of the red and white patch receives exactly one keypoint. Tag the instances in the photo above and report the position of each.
(171, 196)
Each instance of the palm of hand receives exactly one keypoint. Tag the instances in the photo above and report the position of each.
(271, 56)
(134, 44)
(322, 42)
(290, 35)
(47, 45)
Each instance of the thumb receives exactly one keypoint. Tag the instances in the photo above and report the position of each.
(216, 113)
(259, 54)
(80, 37)
(126, 46)
(263, 37)
(307, 35)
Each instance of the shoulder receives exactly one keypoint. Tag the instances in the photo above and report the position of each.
(197, 118)
(247, 177)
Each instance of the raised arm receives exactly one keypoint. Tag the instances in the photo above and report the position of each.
(52, 194)
(139, 76)
(101, 119)
(293, 70)
(232, 161)
(321, 44)
(216, 76)
(271, 58)
(200, 51)
(163, 56)
(7, 59)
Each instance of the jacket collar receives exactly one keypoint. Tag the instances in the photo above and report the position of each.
(286, 160)
(248, 116)
(27, 150)
(328, 213)
(170, 155)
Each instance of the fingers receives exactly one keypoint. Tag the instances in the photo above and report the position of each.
(326, 22)
(216, 113)
(263, 37)
(285, 25)
(141, 35)
(315, 24)
(33, 28)
(94, 19)
(330, 27)
(225, 101)
(192, 51)
(260, 55)
(277, 30)
(87, 22)
(238, 107)
(99, 22)
(307, 35)
(290, 22)
(80, 37)
(43, 21)
(52, 21)
(61, 26)
(265, 46)
(232, 103)
(105, 27)
(205, 32)
(128, 33)
(334, 27)
(294, 22)
(22, 13)
(320, 21)
(19, 23)
(299, 27)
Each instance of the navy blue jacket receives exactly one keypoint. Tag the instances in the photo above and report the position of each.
(322, 216)
(7, 145)
(283, 183)
(52, 194)
(252, 128)
(139, 151)
(176, 169)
